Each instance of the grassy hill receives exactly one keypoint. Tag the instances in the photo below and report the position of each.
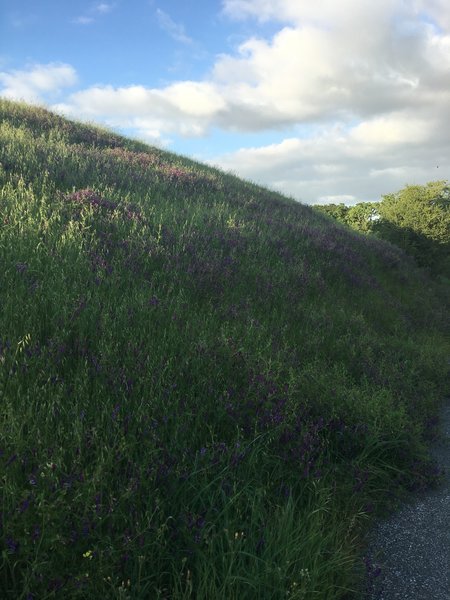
(207, 390)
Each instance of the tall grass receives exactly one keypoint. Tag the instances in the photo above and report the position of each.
(207, 390)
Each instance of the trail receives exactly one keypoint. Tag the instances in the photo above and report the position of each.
(412, 546)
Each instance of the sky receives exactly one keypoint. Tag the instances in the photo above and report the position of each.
(322, 100)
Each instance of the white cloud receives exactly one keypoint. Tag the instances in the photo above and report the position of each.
(380, 71)
(330, 13)
(370, 78)
(385, 132)
(347, 164)
(370, 63)
(101, 8)
(436, 10)
(309, 73)
(277, 81)
(175, 30)
(387, 172)
(186, 108)
(340, 199)
(83, 20)
(328, 169)
(195, 99)
(23, 21)
(37, 81)
(147, 132)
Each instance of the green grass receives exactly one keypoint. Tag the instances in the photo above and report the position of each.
(207, 390)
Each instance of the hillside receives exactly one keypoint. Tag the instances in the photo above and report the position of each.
(207, 390)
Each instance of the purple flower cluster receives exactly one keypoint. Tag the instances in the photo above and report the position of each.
(144, 168)
(21, 267)
(89, 197)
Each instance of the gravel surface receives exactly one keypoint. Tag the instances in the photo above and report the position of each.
(412, 546)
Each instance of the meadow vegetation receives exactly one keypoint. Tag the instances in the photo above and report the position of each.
(207, 390)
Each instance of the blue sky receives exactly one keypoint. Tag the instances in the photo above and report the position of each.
(324, 101)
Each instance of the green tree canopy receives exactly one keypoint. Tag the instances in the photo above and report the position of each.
(337, 211)
(362, 216)
(416, 218)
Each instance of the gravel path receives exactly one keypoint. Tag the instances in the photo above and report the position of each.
(412, 547)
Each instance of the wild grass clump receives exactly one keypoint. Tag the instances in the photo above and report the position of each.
(207, 390)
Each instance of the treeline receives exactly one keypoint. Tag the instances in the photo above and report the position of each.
(416, 218)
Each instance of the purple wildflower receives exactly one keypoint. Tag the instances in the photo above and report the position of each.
(260, 544)
(21, 267)
(12, 545)
(24, 505)
(11, 460)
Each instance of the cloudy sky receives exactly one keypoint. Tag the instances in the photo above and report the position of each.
(324, 100)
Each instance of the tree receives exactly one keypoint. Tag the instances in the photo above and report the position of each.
(417, 218)
(337, 211)
(360, 217)
(363, 216)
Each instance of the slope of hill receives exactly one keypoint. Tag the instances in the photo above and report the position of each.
(207, 390)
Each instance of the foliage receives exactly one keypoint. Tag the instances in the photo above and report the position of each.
(363, 217)
(336, 211)
(417, 219)
(206, 390)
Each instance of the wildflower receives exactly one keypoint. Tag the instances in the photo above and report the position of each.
(12, 545)
(21, 267)
(11, 460)
(88, 555)
(24, 505)
(304, 573)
